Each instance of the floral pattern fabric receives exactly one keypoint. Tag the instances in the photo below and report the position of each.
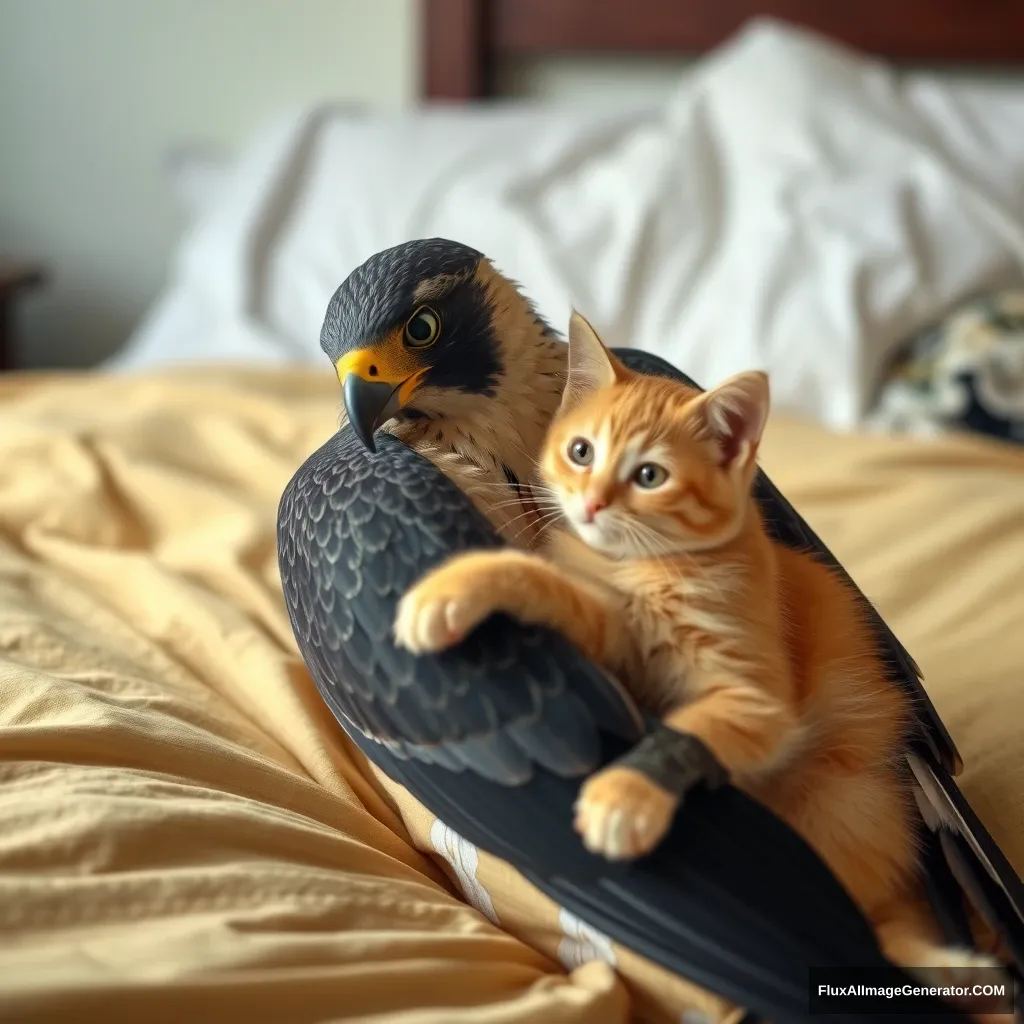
(965, 373)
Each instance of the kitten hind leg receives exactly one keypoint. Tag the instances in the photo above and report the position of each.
(907, 938)
(859, 824)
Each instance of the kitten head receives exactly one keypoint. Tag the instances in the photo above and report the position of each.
(643, 466)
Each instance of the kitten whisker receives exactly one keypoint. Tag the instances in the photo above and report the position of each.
(541, 522)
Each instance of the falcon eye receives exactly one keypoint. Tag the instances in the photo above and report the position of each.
(650, 476)
(581, 452)
(423, 328)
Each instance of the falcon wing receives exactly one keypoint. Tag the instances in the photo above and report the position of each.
(354, 533)
(495, 736)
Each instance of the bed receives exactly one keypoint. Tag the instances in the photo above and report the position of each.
(184, 830)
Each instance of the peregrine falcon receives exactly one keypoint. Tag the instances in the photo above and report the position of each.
(449, 378)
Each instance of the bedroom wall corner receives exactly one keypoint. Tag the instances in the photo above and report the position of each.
(95, 95)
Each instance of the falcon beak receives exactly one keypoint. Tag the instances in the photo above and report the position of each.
(375, 387)
(369, 403)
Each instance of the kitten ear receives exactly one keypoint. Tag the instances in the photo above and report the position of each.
(736, 412)
(591, 366)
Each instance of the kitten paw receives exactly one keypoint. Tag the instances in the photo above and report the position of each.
(427, 622)
(956, 967)
(621, 815)
(441, 609)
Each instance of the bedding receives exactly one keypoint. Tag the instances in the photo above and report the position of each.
(791, 205)
(185, 832)
(964, 373)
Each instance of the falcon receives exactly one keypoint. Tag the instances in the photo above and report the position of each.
(449, 378)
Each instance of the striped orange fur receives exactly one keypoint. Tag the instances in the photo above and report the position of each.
(667, 577)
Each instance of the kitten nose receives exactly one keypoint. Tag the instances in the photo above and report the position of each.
(592, 506)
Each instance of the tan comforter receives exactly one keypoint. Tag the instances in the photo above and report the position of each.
(185, 833)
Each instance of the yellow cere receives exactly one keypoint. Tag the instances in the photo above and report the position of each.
(390, 362)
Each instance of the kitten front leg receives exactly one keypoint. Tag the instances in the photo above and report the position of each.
(624, 810)
(446, 604)
(622, 814)
(749, 730)
(731, 730)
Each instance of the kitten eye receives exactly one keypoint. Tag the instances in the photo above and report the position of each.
(581, 452)
(650, 476)
(422, 328)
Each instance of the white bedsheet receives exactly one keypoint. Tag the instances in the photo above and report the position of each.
(793, 206)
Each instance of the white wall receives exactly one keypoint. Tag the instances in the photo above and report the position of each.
(93, 95)
(586, 80)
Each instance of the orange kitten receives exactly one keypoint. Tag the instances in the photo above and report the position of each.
(668, 579)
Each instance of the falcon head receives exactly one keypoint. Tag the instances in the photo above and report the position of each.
(414, 325)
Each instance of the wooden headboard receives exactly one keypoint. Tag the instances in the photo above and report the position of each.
(465, 40)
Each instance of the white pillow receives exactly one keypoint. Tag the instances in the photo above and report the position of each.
(793, 207)
(796, 208)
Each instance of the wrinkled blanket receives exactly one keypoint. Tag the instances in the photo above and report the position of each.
(185, 833)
